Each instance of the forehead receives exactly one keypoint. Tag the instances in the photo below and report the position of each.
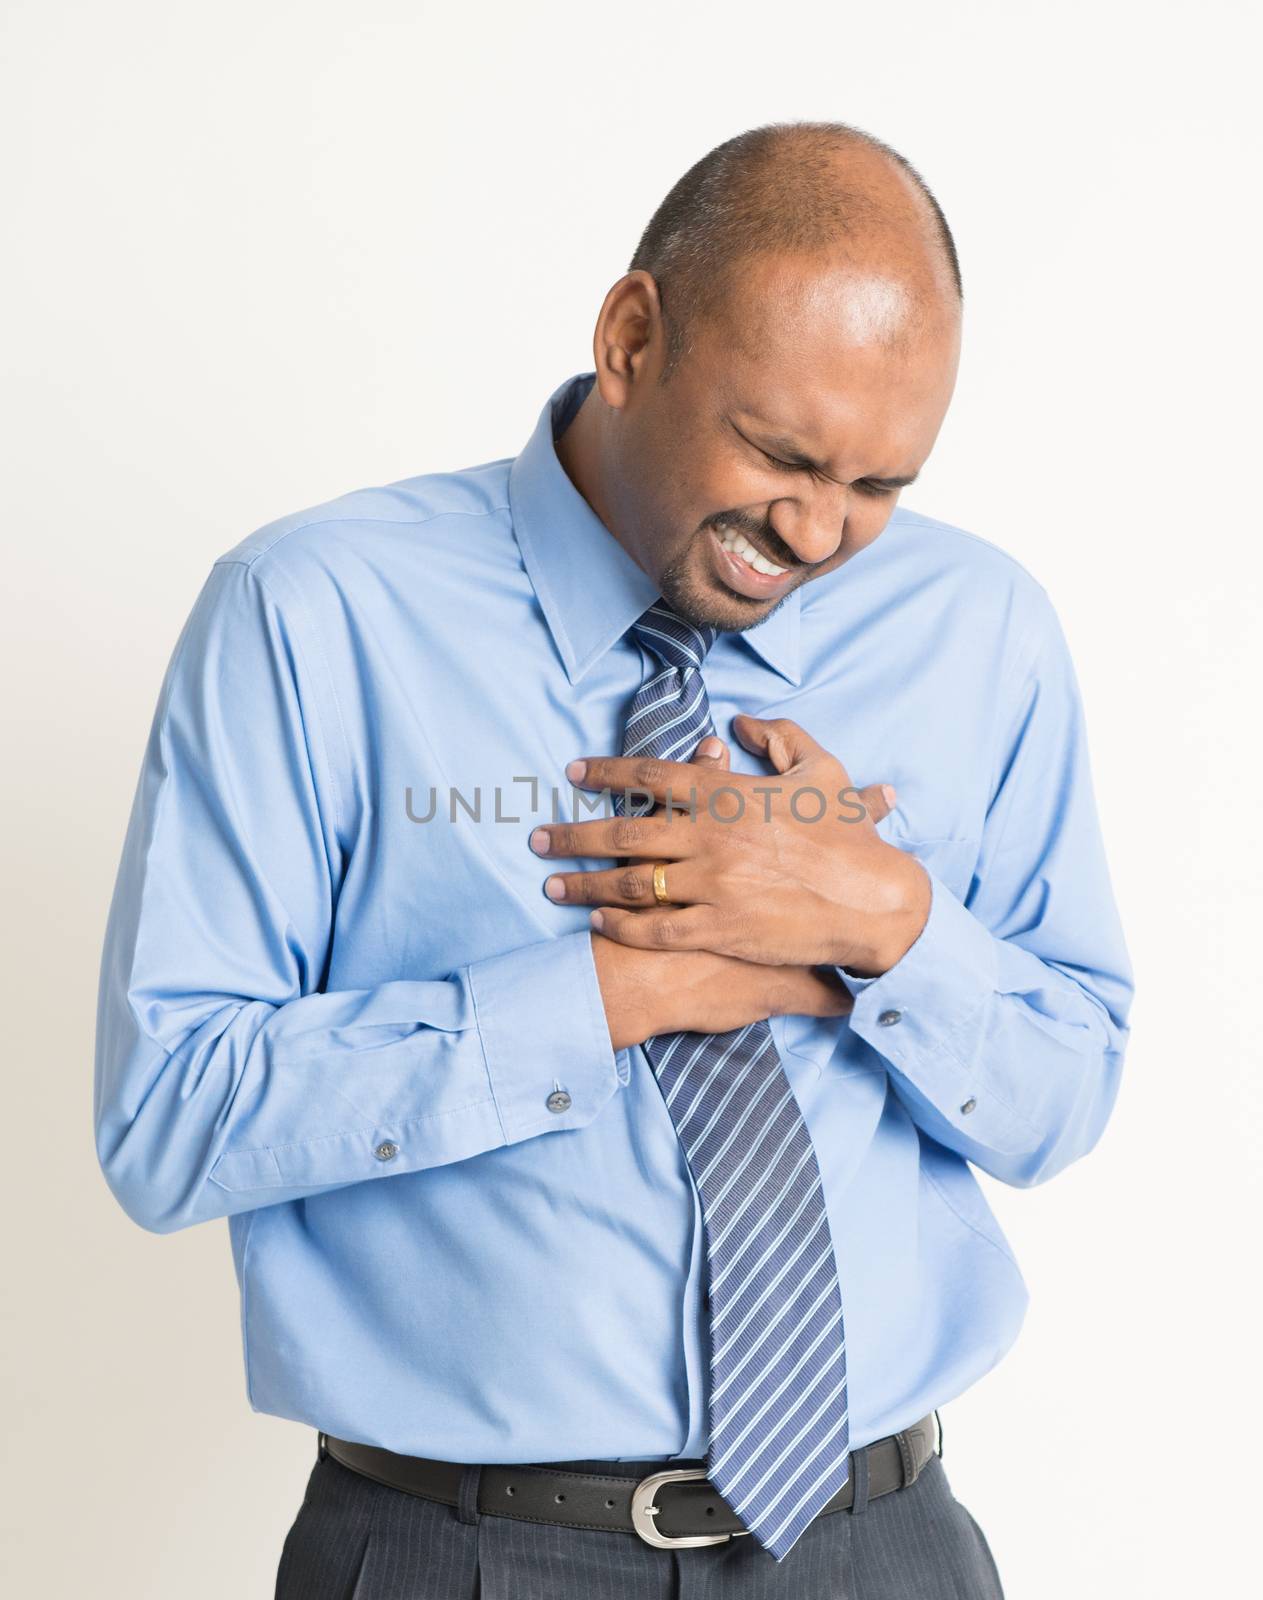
(780, 306)
(858, 309)
(828, 375)
(860, 405)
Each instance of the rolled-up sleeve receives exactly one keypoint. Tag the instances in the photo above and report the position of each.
(226, 1076)
(1004, 1025)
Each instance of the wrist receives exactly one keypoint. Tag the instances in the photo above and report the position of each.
(897, 929)
(626, 1002)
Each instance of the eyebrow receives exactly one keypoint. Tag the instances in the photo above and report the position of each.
(781, 446)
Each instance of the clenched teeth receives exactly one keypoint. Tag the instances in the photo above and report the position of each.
(738, 545)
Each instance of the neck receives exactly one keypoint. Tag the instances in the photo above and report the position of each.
(580, 451)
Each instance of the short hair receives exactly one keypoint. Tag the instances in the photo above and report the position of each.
(771, 188)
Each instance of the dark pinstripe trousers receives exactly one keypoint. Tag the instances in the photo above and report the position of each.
(355, 1539)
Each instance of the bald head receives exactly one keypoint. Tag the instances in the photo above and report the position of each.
(799, 288)
(826, 193)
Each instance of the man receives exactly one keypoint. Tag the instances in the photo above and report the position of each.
(627, 1257)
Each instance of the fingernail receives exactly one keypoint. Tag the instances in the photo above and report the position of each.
(889, 792)
(596, 919)
(555, 888)
(575, 770)
(539, 839)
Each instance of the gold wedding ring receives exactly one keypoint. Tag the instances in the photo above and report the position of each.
(660, 884)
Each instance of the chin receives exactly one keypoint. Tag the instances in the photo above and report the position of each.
(711, 605)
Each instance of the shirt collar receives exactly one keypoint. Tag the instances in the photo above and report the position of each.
(591, 590)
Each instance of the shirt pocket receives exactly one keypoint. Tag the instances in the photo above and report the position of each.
(951, 858)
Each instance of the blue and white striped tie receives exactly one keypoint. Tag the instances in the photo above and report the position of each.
(778, 1412)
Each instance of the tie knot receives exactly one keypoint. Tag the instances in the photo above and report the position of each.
(675, 642)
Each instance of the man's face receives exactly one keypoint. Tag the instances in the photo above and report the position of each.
(847, 373)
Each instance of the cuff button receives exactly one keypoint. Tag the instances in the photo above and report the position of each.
(968, 1106)
(559, 1100)
(386, 1152)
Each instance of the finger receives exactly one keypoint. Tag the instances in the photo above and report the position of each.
(682, 928)
(878, 799)
(784, 742)
(663, 838)
(629, 887)
(715, 752)
(643, 775)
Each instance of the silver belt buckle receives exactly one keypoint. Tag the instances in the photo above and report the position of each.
(644, 1511)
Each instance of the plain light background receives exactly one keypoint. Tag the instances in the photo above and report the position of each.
(260, 254)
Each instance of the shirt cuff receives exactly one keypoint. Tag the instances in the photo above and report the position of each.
(923, 1015)
(943, 976)
(545, 1039)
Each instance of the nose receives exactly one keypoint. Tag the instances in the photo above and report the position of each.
(813, 528)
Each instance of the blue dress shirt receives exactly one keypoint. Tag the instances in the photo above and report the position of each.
(337, 1008)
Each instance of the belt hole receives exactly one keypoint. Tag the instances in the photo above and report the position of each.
(609, 1502)
(558, 1498)
(509, 1489)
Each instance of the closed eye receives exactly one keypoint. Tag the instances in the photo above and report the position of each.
(876, 490)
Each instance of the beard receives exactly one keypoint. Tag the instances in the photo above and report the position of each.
(691, 590)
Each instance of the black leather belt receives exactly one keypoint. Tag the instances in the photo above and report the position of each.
(669, 1507)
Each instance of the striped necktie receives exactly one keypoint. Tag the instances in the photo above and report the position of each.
(778, 1413)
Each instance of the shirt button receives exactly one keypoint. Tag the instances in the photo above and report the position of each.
(559, 1100)
(889, 1018)
(969, 1105)
(386, 1152)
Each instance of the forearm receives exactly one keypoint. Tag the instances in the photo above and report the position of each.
(998, 1054)
(214, 1105)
